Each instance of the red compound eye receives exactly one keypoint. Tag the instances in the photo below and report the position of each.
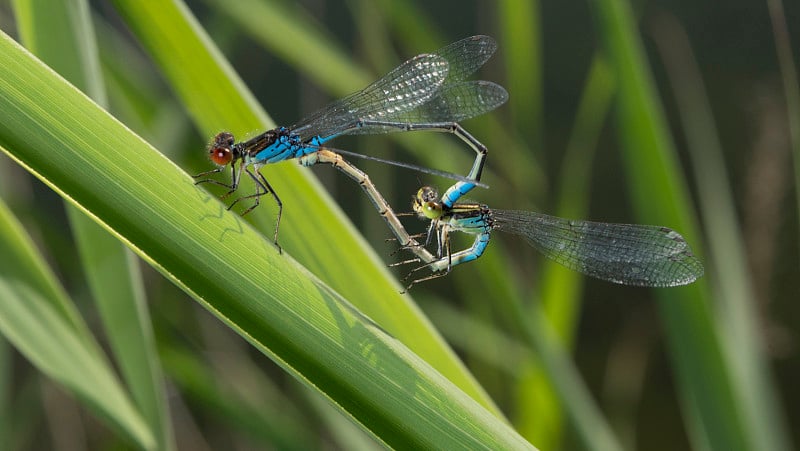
(220, 155)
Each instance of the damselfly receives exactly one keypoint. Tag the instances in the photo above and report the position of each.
(427, 92)
(628, 254)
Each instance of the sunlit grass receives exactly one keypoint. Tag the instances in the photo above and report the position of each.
(328, 313)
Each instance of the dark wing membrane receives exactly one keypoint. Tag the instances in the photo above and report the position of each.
(406, 87)
(453, 103)
(640, 255)
(466, 56)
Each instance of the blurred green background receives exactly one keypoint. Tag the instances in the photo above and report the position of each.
(685, 116)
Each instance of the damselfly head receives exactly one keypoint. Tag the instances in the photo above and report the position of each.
(428, 194)
(221, 149)
(426, 203)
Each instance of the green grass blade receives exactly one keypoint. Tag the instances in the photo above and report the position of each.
(453, 324)
(522, 47)
(344, 432)
(335, 251)
(68, 44)
(590, 424)
(39, 320)
(142, 198)
(660, 197)
(266, 423)
(561, 289)
(297, 39)
(412, 23)
(60, 20)
(114, 277)
(737, 310)
(791, 85)
(6, 369)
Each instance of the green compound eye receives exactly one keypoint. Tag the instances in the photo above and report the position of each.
(432, 210)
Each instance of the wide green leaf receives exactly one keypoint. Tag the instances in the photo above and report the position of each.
(283, 310)
(61, 34)
(37, 317)
(660, 196)
(313, 230)
(737, 312)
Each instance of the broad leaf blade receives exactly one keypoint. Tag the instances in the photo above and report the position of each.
(281, 309)
(40, 321)
(313, 229)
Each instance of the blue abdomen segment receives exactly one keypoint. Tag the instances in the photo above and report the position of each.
(288, 145)
(310, 146)
(318, 141)
(455, 192)
(467, 255)
(481, 241)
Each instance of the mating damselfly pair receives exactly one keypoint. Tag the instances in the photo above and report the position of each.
(430, 93)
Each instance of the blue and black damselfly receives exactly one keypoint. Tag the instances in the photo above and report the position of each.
(628, 254)
(427, 92)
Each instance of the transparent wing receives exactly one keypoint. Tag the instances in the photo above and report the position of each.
(640, 255)
(466, 56)
(427, 88)
(406, 87)
(452, 103)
